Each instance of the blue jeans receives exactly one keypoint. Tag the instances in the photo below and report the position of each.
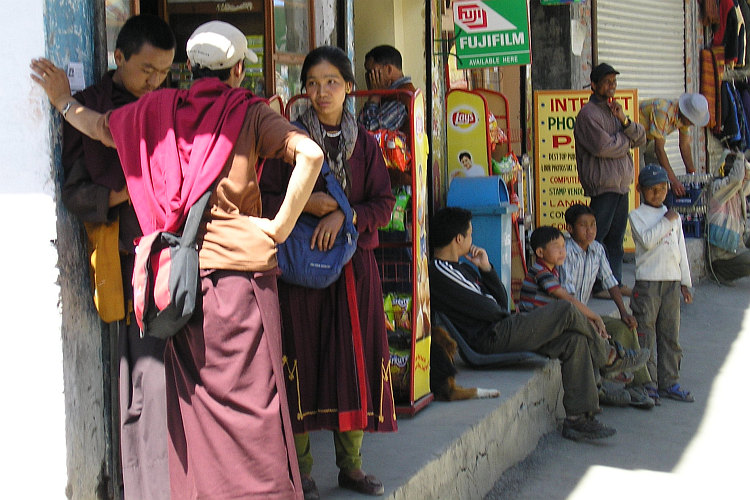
(611, 214)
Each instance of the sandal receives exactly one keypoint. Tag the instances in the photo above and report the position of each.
(653, 393)
(676, 393)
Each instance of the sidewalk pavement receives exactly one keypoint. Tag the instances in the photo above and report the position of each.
(458, 450)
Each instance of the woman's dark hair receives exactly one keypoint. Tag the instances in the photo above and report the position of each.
(543, 235)
(333, 55)
(141, 29)
(575, 211)
(446, 224)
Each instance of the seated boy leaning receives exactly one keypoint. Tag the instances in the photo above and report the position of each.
(566, 269)
(473, 298)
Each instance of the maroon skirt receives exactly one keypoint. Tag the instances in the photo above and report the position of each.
(323, 382)
(228, 419)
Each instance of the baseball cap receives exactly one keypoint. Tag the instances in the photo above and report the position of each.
(218, 45)
(651, 175)
(601, 71)
(695, 108)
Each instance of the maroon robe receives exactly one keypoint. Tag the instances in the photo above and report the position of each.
(316, 327)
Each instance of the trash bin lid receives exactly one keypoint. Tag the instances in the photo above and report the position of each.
(468, 192)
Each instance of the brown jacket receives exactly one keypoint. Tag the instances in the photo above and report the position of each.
(603, 149)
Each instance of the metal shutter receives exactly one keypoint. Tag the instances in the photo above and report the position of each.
(645, 41)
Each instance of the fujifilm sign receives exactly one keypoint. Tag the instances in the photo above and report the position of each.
(491, 33)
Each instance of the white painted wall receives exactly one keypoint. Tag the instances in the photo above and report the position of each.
(31, 373)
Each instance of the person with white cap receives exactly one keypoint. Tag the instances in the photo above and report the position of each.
(660, 117)
(229, 429)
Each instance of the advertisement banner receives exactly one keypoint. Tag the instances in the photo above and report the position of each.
(467, 135)
(491, 33)
(557, 184)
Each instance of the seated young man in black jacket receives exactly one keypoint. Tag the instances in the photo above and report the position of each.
(474, 300)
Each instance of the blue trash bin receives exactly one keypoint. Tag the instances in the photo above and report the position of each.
(487, 200)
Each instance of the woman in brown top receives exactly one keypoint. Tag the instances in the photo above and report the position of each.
(318, 340)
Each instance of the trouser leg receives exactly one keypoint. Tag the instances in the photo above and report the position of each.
(348, 446)
(611, 214)
(732, 269)
(304, 454)
(628, 338)
(668, 335)
(645, 305)
(557, 330)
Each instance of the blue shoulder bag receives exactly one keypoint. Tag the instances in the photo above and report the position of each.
(302, 266)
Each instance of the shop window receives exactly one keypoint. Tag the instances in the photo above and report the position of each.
(278, 31)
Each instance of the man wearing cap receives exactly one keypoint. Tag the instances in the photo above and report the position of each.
(94, 190)
(660, 117)
(604, 137)
(228, 420)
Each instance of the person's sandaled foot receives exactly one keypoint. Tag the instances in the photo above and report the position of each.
(653, 393)
(365, 484)
(677, 393)
(309, 488)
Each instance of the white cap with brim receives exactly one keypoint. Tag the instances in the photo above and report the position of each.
(217, 45)
(694, 107)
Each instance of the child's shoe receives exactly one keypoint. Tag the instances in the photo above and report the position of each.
(678, 394)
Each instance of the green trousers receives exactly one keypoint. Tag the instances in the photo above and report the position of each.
(348, 446)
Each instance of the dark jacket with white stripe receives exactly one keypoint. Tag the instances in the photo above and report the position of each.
(470, 298)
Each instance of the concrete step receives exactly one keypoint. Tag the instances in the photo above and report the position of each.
(456, 450)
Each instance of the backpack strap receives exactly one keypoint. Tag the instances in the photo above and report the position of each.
(193, 221)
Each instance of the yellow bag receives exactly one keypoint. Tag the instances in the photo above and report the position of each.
(106, 276)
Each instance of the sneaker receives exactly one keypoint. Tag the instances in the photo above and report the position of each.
(585, 427)
(639, 398)
(624, 378)
(677, 393)
(613, 394)
(628, 360)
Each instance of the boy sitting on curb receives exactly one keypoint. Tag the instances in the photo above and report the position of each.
(661, 275)
(542, 286)
(585, 262)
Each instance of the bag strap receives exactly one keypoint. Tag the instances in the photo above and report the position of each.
(193, 221)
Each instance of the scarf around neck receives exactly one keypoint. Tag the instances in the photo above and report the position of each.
(337, 157)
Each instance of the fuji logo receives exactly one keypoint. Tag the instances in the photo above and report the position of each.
(475, 17)
(472, 16)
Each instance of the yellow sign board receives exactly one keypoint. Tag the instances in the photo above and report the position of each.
(468, 154)
(556, 174)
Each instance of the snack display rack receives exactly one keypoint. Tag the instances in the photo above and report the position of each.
(403, 257)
